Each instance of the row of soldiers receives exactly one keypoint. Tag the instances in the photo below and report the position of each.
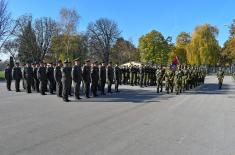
(59, 77)
(182, 78)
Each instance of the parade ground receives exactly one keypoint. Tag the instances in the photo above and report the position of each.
(135, 121)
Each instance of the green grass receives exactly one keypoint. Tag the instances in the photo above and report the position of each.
(2, 77)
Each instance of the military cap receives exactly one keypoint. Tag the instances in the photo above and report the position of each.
(88, 60)
(77, 59)
(66, 61)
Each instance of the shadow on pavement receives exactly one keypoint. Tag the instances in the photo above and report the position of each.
(132, 96)
(212, 89)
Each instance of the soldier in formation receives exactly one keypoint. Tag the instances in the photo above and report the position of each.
(60, 77)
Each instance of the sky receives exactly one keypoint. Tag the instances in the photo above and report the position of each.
(138, 17)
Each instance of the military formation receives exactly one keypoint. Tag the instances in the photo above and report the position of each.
(64, 79)
(174, 78)
(91, 78)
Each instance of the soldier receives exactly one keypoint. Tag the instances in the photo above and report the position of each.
(35, 77)
(50, 77)
(28, 74)
(23, 81)
(77, 78)
(141, 75)
(132, 74)
(160, 78)
(17, 76)
(185, 78)
(109, 75)
(70, 79)
(178, 80)
(58, 78)
(102, 78)
(135, 72)
(117, 77)
(86, 75)
(8, 76)
(42, 77)
(220, 76)
(33, 84)
(169, 78)
(94, 78)
(66, 76)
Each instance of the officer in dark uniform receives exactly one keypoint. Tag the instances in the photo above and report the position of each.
(8, 76)
(17, 76)
(28, 74)
(102, 78)
(94, 78)
(50, 77)
(66, 76)
(86, 75)
(117, 77)
(110, 75)
(42, 76)
(58, 78)
(77, 78)
(35, 77)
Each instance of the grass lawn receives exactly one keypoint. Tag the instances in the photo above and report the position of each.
(2, 77)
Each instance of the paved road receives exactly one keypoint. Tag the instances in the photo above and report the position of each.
(135, 121)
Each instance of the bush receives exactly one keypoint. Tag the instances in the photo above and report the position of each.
(2, 77)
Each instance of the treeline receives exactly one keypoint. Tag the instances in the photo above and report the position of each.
(29, 39)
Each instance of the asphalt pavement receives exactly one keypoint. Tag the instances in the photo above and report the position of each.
(136, 121)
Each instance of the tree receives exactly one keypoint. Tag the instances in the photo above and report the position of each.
(232, 29)
(101, 36)
(124, 51)
(69, 21)
(11, 48)
(28, 48)
(180, 51)
(5, 23)
(227, 55)
(183, 39)
(78, 47)
(154, 47)
(45, 28)
(204, 48)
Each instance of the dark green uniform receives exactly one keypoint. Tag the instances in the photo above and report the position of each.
(50, 78)
(28, 74)
(110, 75)
(42, 77)
(36, 80)
(86, 75)
(117, 77)
(8, 77)
(17, 76)
(141, 75)
(77, 79)
(94, 80)
(58, 79)
(66, 77)
(102, 78)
